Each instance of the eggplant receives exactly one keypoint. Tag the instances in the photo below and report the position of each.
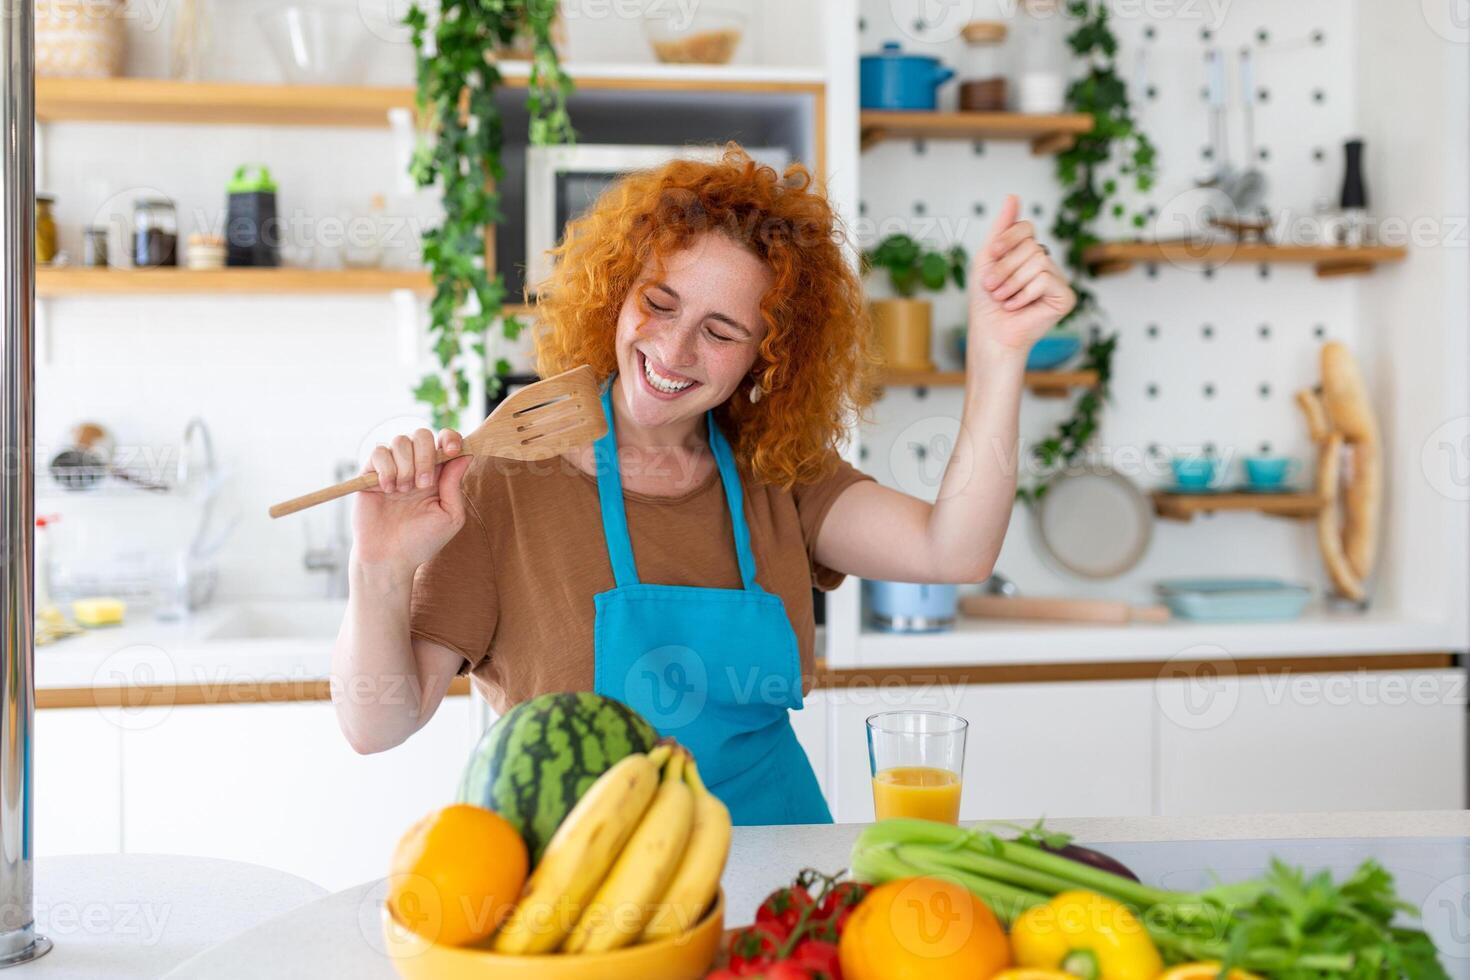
(1096, 859)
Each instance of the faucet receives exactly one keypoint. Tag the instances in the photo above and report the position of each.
(331, 557)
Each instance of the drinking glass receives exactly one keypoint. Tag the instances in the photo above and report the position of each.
(916, 759)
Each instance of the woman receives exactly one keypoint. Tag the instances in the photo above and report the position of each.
(718, 302)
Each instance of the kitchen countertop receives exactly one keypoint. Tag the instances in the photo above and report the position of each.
(1429, 853)
(280, 650)
(120, 916)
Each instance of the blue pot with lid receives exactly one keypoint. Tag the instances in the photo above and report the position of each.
(894, 79)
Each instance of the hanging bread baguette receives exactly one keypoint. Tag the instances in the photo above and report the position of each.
(1346, 399)
(1342, 423)
(1329, 522)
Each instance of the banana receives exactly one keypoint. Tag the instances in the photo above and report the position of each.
(618, 912)
(698, 878)
(579, 854)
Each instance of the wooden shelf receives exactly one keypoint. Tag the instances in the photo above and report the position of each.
(1329, 260)
(81, 281)
(148, 100)
(1043, 384)
(155, 100)
(1046, 134)
(1185, 506)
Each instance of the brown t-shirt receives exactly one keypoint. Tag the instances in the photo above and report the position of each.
(512, 591)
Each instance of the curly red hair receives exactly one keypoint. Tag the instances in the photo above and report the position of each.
(817, 356)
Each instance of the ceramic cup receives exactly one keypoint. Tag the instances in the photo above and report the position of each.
(1195, 472)
(1269, 472)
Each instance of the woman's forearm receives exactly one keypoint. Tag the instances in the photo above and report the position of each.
(968, 522)
(376, 685)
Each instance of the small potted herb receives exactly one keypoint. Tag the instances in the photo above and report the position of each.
(902, 323)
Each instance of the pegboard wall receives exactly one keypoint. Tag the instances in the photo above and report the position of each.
(1205, 358)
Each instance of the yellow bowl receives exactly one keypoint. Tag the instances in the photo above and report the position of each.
(685, 957)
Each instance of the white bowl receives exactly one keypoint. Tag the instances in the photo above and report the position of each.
(317, 45)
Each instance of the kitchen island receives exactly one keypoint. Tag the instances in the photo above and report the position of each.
(1429, 854)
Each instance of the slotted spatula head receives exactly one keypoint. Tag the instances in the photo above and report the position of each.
(540, 421)
(544, 419)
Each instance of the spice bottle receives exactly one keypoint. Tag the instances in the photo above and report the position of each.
(984, 88)
(45, 229)
(155, 233)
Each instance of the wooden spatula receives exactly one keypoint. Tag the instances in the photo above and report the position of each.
(540, 421)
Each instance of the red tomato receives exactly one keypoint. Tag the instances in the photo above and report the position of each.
(837, 904)
(784, 906)
(819, 957)
(790, 970)
(752, 949)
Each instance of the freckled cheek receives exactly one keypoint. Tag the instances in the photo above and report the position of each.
(726, 364)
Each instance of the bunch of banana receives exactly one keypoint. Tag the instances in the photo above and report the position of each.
(579, 854)
(639, 858)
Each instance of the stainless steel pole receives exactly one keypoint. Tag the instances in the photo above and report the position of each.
(18, 939)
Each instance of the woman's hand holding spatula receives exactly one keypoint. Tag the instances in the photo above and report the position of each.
(418, 505)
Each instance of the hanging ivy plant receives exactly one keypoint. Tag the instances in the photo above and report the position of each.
(1090, 191)
(457, 82)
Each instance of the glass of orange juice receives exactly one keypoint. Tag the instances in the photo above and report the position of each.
(917, 758)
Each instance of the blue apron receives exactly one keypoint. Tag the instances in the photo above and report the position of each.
(716, 669)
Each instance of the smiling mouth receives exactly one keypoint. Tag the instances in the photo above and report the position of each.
(668, 385)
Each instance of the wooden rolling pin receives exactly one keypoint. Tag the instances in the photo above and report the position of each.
(1061, 610)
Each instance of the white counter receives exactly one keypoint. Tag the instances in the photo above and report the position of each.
(338, 935)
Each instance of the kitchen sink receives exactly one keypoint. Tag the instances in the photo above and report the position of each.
(312, 619)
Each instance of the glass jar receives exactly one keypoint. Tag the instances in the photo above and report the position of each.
(45, 229)
(155, 233)
(1042, 56)
(94, 247)
(984, 87)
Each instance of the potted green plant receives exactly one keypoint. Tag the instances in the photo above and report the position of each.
(903, 323)
(458, 77)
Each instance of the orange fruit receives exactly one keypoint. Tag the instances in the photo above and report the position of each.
(922, 929)
(456, 874)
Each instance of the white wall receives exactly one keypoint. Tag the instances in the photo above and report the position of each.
(1324, 78)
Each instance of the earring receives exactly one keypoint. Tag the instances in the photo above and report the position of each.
(755, 393)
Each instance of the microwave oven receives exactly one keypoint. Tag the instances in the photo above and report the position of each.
(563, 181)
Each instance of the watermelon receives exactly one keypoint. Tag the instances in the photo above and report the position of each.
(537, 760)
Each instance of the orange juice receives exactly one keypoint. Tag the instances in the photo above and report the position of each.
(917, 791)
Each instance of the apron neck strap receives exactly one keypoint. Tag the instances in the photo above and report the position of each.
(615, 514)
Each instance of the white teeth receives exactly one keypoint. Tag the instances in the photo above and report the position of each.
(667, 385)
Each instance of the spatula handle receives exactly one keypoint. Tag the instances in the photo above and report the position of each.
(367, 481)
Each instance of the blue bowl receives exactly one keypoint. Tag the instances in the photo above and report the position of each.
(1052, 352)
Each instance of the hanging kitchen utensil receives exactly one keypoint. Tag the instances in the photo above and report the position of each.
(540, 421)
(1249, 188)
(1223, 174)
(1094, 522)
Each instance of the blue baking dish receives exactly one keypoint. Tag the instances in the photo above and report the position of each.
(1233, 600)
(1052, 351)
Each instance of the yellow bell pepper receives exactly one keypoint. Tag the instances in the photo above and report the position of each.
(1087, 935)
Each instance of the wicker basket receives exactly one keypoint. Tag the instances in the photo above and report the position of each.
(80, 38)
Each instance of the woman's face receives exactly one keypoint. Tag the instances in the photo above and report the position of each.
(702, 333)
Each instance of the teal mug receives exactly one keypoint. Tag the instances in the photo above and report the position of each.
(1195, 472)
(1270, 472)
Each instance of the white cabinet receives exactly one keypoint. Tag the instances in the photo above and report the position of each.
(1061, 750)
(810, 725)
(78, 782)
(277, 784)
(1313, 742)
